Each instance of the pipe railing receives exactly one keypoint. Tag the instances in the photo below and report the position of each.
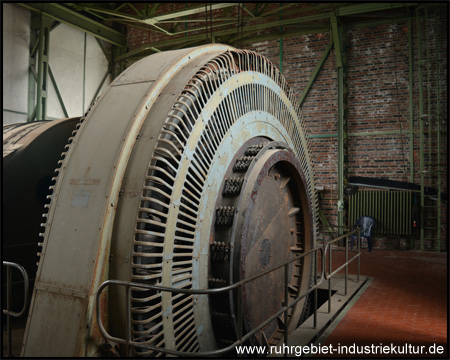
(129, 343)
(8, 312)
(332, 272)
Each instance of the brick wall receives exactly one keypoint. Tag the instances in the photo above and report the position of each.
(378, 102)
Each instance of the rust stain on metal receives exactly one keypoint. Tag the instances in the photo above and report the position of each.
(84, 181)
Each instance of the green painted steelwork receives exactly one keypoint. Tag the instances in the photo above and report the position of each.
(315, 72)
(286, 34)
(338, 33)
(411, 100)
(251, 31)
(428, 87)
(15, 111)
(368, 133)
(32, 74)
(153, 20)
(325, 223)
(42, 65)
(366, 23)
(58, 93)
(421, 134)
(429, 122)
(337, 44)
(355, 9)
(108, 72)
(320, 136)
(63, 14)
(190, 11)
(438, 121)
(340, 204)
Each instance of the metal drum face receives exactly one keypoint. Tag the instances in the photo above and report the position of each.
(163, 170)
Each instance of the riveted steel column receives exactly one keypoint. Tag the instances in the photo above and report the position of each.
(411, 99)
(421, 139)
(438, 122)
(118, 65)
(339, 34)
(42, 75)
(32, 72)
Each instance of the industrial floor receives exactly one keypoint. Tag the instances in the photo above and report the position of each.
(406, 303)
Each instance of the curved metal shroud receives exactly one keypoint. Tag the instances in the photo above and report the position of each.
(135, 190)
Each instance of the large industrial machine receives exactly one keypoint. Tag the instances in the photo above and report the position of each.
(192, 171)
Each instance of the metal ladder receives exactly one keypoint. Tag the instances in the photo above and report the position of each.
(431, 139)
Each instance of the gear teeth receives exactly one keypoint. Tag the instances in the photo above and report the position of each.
(220, 251)
(225, 215)
(233, 186)
(243, 163)
(254, 149)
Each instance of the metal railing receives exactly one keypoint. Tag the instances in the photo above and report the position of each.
(8, 312)
(332, 272)
(317, 281)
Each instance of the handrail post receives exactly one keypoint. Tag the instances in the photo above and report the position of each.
(130, 344)
(346, 264)
(239, 309)
(286, 303)
(359, 254)
(8, 312)
(329, 280)
(8, 307)
(315, 290)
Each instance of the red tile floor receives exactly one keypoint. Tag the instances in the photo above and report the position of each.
(405, 303)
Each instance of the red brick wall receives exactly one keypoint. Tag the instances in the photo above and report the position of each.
(378, 101)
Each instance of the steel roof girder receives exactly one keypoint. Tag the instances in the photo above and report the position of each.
(369, 7)
(72, 18)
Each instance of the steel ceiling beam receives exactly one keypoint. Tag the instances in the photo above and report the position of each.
(369, 7)
(73, 18)
(332, 10)
(285, 34)
(189, 11)
(155, 20)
